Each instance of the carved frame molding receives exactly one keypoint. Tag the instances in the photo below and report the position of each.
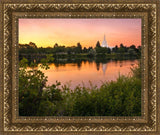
(13, 123)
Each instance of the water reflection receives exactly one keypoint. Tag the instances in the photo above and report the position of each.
(98, 66)
(104, 67)
(83, 71)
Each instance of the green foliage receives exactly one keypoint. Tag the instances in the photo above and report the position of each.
(119, 98)
(31, 85)
(92, 53)
(136, 71)
(23, 63)
(116, 98)
(31, 52)
(44, 61)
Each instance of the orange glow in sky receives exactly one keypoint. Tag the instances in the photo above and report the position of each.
(68, 32)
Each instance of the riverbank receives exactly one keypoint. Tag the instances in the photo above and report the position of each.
(81, 56)
(117, 98)
(121, 97)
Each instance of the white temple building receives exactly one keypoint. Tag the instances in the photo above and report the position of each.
(104, 43)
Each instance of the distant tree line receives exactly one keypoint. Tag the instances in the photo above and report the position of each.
(32, 52)
(32, 48)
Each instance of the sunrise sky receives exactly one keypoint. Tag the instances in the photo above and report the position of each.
(68, 32)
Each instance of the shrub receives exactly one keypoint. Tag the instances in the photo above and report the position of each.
(116, 98)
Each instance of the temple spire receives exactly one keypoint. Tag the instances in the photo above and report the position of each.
(104, 43)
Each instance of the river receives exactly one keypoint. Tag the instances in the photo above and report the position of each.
(85, 73)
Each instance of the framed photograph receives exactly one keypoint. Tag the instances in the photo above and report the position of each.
(80, 67)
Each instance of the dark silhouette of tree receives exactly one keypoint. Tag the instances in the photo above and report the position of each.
(79, 48)
(56, 45)
(121, 45)
(90, 48)
(98, 65)
(115, 49)
(133, 47)
(33, 45)
(79, 64)
(98, 44)
(85, 50)
(108, 50)
(121, 49)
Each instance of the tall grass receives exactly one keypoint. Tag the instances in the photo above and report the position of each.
(116, 98)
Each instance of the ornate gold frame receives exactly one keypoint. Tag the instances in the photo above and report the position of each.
(147, 10)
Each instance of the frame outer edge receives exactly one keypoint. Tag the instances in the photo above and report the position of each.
(158, 68)
(79, 1)
(1, 67)
(1, 71)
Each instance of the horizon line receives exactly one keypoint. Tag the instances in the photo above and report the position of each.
(73, 45)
